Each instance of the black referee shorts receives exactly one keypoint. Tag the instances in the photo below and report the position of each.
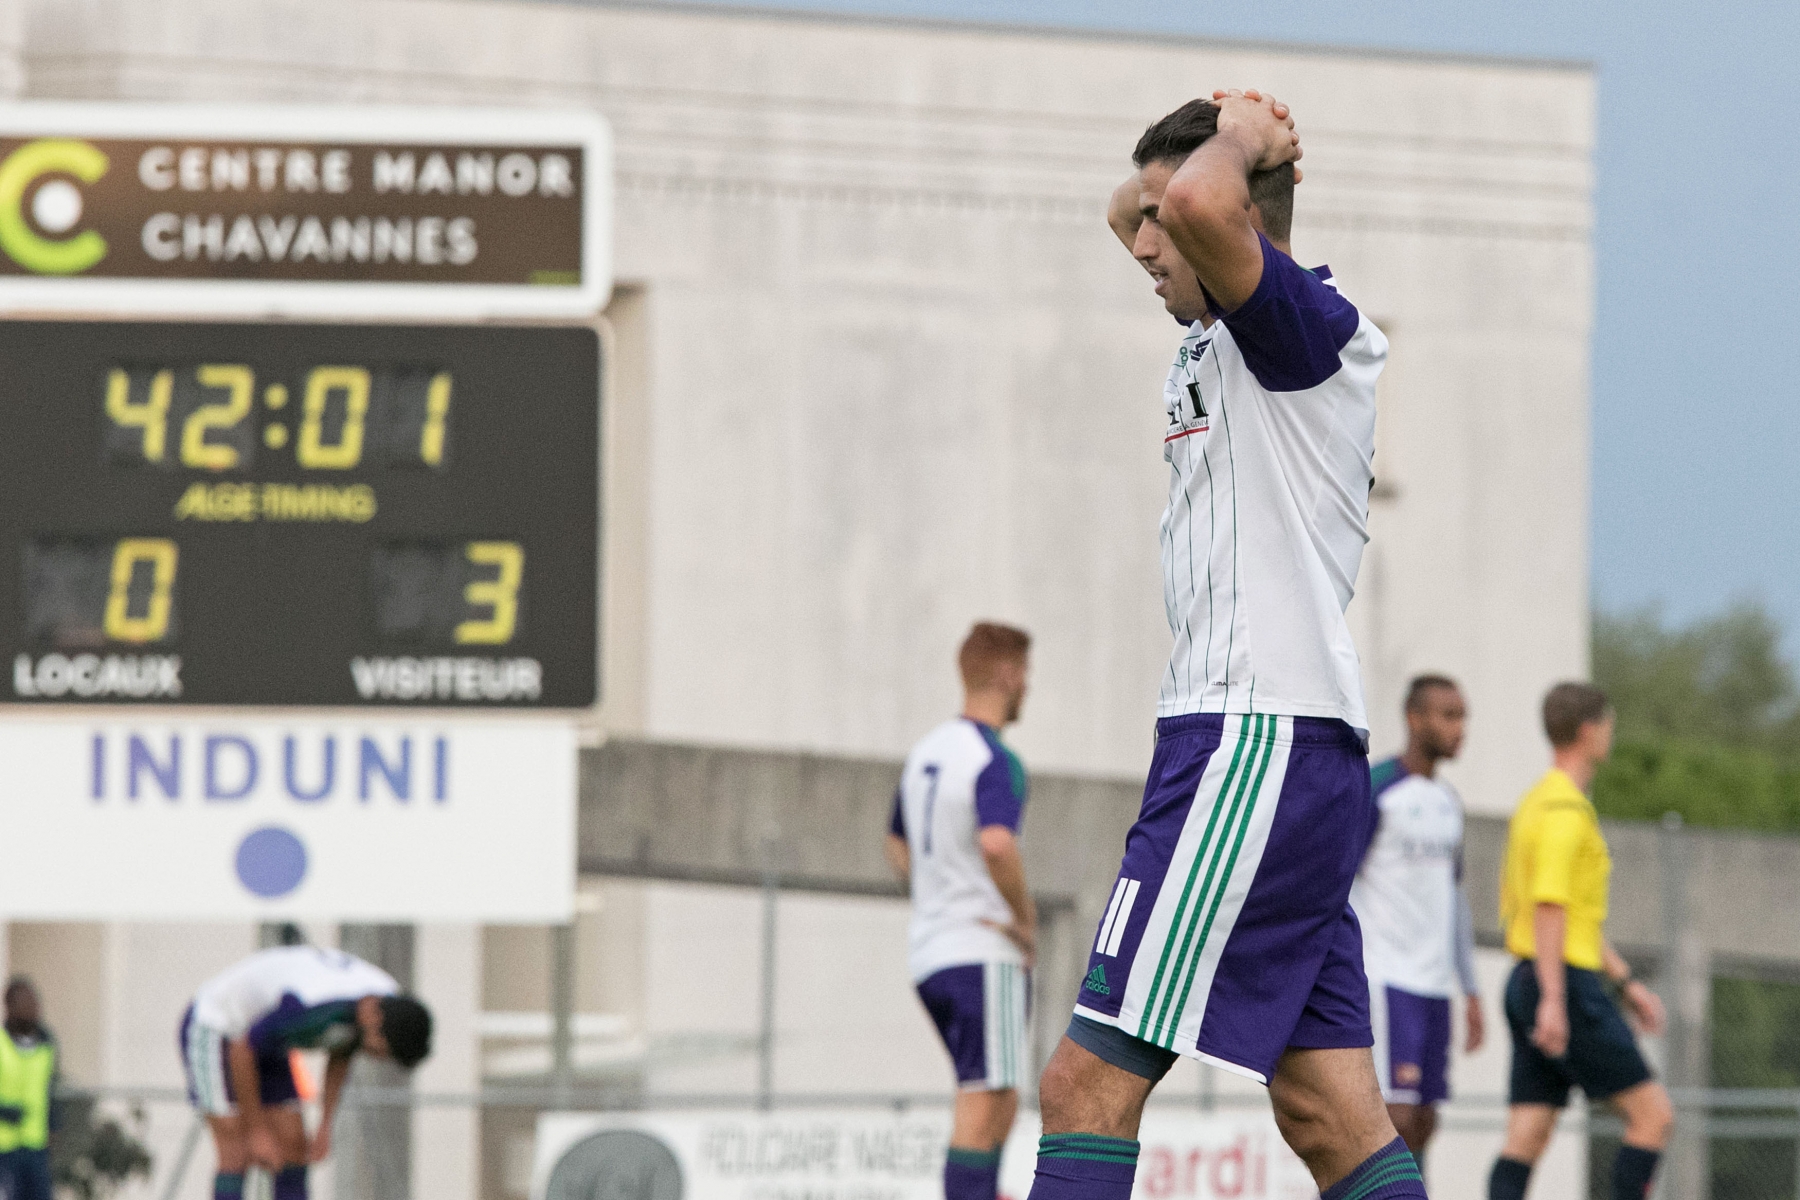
(1602, 1058)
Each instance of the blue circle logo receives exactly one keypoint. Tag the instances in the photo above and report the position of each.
(271, 862)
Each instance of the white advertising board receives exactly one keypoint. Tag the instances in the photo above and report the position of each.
(838, 1155)
(356, 819)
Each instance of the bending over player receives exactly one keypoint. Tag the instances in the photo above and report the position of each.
(1229, 937)
(236, 1038)
(1418, 934)
(954, 834)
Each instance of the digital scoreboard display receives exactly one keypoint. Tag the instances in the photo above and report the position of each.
(287, 514)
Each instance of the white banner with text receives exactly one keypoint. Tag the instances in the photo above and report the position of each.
(362, 820)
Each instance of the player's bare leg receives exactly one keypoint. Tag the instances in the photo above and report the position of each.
(1415, 1124)
(1080, 1092)
(1328, 1106)
(982, 1119)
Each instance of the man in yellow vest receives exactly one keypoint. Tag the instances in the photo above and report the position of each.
(1567, 1028)
(27, 1078)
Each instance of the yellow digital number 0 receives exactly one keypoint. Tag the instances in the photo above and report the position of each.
(312, 452)
(240, 381)
(152, 416)
(153, 626)
(500, 594)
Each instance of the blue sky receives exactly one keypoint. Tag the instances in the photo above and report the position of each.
(1696, 476)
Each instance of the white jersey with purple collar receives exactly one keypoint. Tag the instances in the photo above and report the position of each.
(959, 779)
(1270, 444)
(299, 977)
(1408, 895)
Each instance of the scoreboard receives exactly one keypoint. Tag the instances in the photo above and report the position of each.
(299, 514)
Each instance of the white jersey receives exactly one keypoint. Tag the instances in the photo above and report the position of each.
(1271, 444)
(1407, 894)
(958, 779)
(238, 997)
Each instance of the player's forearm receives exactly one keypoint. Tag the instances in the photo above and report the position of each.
(1464, 944)
(1007, 868)
(1206, 210)
(337, 1070)
(241, 1061)
(899, 857)
(1124, 216)
(1549, 924)
(1614, 964)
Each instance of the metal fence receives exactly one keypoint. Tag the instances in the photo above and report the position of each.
(372, 1145)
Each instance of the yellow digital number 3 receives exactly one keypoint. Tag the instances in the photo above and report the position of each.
(501, 594)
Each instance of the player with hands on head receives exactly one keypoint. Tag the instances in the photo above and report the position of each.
(1229, 937)
(1567, 1031)
(954, 837)
(1418, 932)
(237, 1038)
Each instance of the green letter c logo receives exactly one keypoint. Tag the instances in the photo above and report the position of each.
(72, 255)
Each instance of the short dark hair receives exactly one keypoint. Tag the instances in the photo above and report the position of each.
(406, 1027)
(987, 647)
(1415, 691)
(1569, 706)
(1181, 133)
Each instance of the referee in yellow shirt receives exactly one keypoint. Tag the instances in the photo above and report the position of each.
(1567, 1030)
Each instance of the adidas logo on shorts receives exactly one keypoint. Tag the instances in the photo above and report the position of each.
(1096, 980)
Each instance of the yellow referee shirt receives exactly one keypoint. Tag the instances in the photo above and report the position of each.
(1555, 854)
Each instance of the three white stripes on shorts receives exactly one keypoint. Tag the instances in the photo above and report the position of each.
(1118, 915)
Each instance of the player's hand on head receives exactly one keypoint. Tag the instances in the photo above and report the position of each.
(1264, 122)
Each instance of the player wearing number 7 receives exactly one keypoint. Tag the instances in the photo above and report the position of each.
(954, 836)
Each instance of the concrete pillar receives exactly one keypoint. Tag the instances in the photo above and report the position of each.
(445, 1140)
(1684, 978)
(374, 1143)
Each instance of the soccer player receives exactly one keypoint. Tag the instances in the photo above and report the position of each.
(1229, 936)
(955, 836)
(1418, 933)
(236, 1038)
(27, 1082)
(1566, 1028)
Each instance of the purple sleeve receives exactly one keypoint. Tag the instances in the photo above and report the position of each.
(1293, 327)
(1000, 790)
(897, 822)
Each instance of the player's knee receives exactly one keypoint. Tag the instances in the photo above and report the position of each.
(1650, 1121)
(1306, 1122)
(1059, 1091)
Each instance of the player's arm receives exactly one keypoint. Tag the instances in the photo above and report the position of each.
(1559, 836)
(1643, 1004)
(246, 1086)
(1465, 972)
(895, 847)
(1124, 214)
(337, 1071)
(1000, 851)
(1206, 207)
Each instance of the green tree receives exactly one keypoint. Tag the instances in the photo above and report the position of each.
(1709, 720)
